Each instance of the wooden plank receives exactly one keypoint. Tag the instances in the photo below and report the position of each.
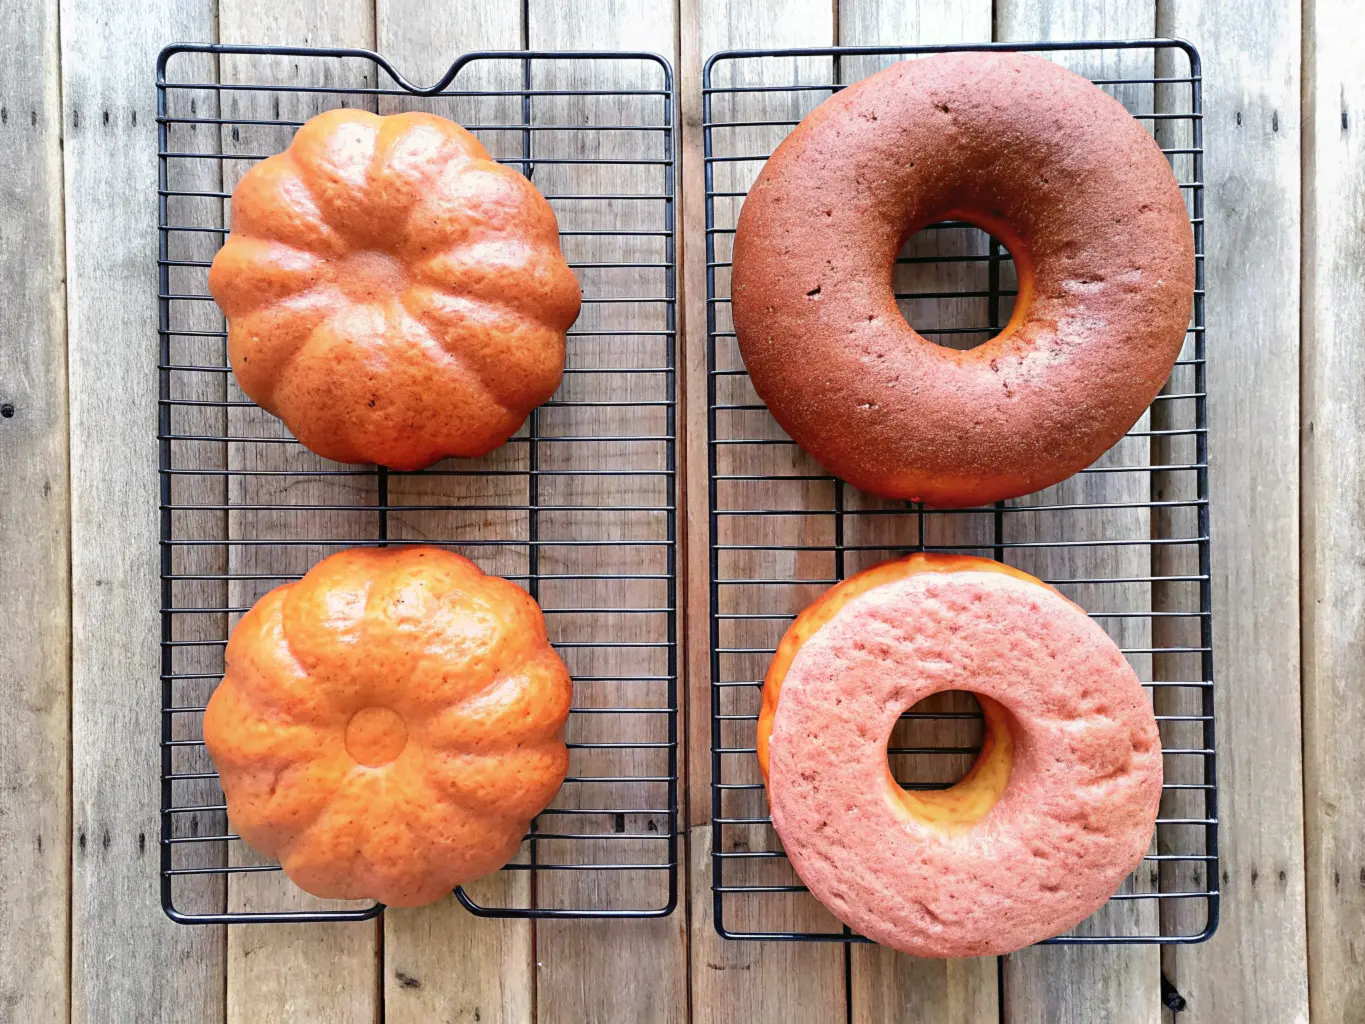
(35, 759)
(887, 985)
(1255, 968)
(443, 963)
(779, 981)
(1333, 456)
(290, 972)
(494, 980)
(1090, 983)
(890, 986)
(128, 962)
(1178, 664)
(869, 23)
(740, 981)
(194, 408)
(590, 970)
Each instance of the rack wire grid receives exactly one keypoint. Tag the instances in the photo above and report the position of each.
(1127, 538)
(579, 507)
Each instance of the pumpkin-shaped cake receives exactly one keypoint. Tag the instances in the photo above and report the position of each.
(388, 726)
(393, 294)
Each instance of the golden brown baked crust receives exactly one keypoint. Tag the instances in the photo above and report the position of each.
(1049, 164)
(389, 725)
(392, 293)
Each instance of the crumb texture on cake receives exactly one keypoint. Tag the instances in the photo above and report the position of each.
(1075, 817)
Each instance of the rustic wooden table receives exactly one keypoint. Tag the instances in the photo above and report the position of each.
(81, 930)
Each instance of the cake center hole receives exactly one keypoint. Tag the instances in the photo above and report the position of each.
(932, 757)
(370, 275)
(376, 735)
(934, 743)
(955, 284)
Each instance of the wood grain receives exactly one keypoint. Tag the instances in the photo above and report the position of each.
(109, 132)
(1254, 969)
(781, 981)
(443, 963)
(35, 647)
(1094, 983)
(289, 972)
(588, 969)
(494, 980)
(886, 985)
(1177, 635)
(749, 981)
(1332, 439)
(194, 406)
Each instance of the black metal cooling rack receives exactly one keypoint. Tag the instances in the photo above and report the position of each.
(1128, 538)
(579, 507)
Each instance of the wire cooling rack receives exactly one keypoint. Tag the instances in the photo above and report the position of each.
(579, 507)
(1127, 538)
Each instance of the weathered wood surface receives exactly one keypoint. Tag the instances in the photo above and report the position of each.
(440, 962)
(590, 970)
(1332, 437)
(195, 405)
(1280, 937)
(1119, 984)
(886, 985)
(296, 971)
(35, 592)
(1255, 966)
(781, 981)
(127, 961)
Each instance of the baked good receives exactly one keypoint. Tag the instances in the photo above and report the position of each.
(1055, 169)
(392, 294)
(1059, 807)
(388, 725)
